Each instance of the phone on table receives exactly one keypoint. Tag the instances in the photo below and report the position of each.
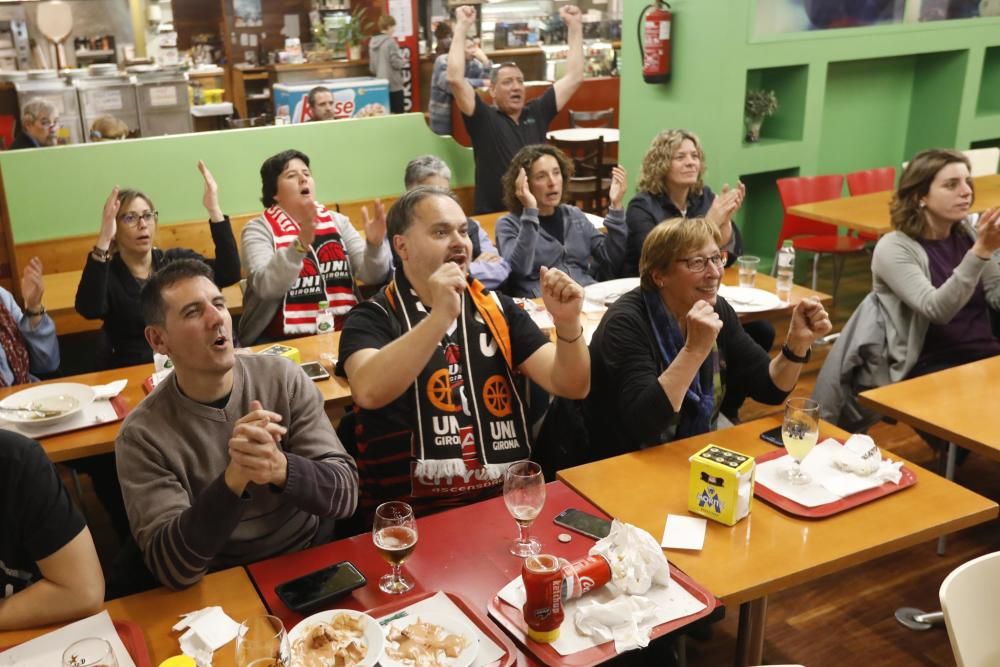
(315, 370)
(312, 591)
(773, 436)
(584, 523)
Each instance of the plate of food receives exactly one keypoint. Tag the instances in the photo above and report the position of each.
(430, 640)
(46, 403)
(336, 637)
(607, 293)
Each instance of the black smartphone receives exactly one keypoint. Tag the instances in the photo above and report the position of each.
(311, 592)
(315, 370)
(773, 436)
(583, 523)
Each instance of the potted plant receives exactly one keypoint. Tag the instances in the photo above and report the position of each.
(355, 32)
(759, 105)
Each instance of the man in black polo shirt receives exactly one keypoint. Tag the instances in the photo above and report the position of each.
(498, 132)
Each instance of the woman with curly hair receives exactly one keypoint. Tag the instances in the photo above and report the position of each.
(672, 185)
(542, 230)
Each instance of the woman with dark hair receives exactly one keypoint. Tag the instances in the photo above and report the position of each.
(124, 257)
(935, 275)
(542, 230)
(298, 253)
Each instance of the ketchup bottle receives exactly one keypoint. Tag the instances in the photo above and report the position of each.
(543, 608)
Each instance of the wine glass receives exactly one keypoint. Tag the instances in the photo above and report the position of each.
(395, 534)
(524, 495)
(89, 652)
(261, 642)
(799, 432)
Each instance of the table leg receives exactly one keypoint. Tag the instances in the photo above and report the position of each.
(750, 633)
(949, 474)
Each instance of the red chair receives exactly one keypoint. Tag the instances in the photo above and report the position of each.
(867, 181)
(818, 238)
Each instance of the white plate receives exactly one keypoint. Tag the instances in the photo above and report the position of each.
(749, 299)
(454, 625)
(373, 633)
(608, 292)
(68, 396)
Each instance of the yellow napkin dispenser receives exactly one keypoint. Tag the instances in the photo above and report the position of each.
(283, 351)
(721, 486)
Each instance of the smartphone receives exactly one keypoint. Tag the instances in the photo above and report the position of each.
(315, 370)
(311, 592)
(773, 436)
(584, 523)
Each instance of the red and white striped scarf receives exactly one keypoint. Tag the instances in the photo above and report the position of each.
(325, 275)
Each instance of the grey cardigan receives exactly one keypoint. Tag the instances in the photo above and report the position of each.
(586, 254)
(385, 60)
(910, 302)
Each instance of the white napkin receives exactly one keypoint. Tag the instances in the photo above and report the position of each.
(108, 391)
(208, 629)
(637, 561)
(47, 650)
(859, 455)
(628, 620)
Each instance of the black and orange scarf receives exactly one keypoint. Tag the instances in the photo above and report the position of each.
(470, 422)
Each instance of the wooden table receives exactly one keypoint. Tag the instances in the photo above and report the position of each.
(101, 439)
(157, 610)
(870, 213)
(770, 551)
(768, 284)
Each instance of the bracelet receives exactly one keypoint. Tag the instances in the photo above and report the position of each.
(570, 340)
(35, 313)
(791, 356)
(99, 254)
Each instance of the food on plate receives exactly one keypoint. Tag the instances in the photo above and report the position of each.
(369, 110)
(423, 644)
(339, 643)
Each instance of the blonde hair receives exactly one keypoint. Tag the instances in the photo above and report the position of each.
(657, 160)
(905, 211)
(671, 240)
(108, 128)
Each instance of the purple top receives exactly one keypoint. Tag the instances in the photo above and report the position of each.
(968, 335)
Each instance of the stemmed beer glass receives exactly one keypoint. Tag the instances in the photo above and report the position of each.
(395, 534)
(524, 495)
(799, 432)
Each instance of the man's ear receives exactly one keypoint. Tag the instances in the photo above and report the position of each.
(399, 245)
(156, 337)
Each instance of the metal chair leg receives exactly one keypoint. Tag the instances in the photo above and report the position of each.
(949, 474)
(838, 270)
(917, 619)
(815, 269)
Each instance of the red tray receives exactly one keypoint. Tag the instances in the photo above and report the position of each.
(133, 639)
(511, 619)
(501, 640)
(788, 505)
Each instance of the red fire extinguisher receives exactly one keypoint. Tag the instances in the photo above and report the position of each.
(654, 41)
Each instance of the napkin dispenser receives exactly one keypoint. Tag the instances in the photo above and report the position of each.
(283, 351)
(721, 486)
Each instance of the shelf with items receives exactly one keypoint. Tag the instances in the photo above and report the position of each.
(789, 84)
(251, 91)
(988, 102)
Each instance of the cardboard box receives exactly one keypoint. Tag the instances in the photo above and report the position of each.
(283, 351)
(721, 486)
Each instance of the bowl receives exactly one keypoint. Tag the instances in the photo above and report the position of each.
(68, 398)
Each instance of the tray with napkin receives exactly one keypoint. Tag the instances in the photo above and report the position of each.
(494, 647)
(646, 599)
(843, 476)
(47, 649)
(108, 406)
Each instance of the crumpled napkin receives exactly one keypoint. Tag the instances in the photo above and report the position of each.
(636, 559)
(208, 629)
(861, 456)
(628, 619)
(108, 391)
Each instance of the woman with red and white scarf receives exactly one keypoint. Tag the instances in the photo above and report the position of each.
(298, 254)
(27, 337)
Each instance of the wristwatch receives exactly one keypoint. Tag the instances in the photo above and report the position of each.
(99, 254)
(35, 313)
(791, 356)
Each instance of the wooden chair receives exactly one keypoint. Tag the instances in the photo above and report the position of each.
(591, 118)
(588, 187)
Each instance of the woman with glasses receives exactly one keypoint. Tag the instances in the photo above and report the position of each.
(123, 259)
(542, 230)
(666, 353)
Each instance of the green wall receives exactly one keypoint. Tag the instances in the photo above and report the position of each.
(850, 98)
(60, 191)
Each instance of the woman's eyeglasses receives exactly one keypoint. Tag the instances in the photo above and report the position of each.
(699, 264)
(132, 219)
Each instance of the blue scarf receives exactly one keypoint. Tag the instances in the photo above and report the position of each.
(701, 393)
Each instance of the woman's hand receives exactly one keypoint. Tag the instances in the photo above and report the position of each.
(619, 183)
(32, 287)
(726, 204)
(375, 228)
(523, 192)
(703, 327)
(987, 234)
(211, 197)
(809, 322)
(109, 220)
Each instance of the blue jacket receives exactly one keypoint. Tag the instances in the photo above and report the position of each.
(43, 347)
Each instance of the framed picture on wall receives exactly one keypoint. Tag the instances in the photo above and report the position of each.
(247, 13)
(775, 17)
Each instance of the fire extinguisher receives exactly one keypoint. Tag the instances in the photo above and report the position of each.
(654, 42)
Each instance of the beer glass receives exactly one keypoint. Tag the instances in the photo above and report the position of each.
(524, 495)
(261, 642)
(799, 432)
(89, 652)
(395, 535)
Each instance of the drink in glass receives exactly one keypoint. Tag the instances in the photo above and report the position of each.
(524, 495)
(261, 642)
(89, 652)
(799, 433)
(395, 535)
(748, 269)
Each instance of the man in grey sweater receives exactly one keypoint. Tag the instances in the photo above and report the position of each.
(232, 458)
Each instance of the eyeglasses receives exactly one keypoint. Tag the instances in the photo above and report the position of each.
(699, 264)
(48, 122)
(132, 219)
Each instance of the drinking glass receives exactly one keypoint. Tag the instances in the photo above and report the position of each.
(748, 269)
(89, 652)
(261, 642)
(524, 495)
(395, 535)
(799, 432)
